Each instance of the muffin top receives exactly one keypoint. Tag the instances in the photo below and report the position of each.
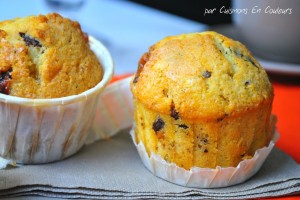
(200, 76)
(46, 57)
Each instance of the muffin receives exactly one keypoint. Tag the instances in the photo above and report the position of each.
(201, 100)
(51, 78)
(46, 57)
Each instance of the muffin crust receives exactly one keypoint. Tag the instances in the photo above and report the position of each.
(48, 57)
(205, 75)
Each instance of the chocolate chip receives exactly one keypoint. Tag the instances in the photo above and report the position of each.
(238, 53)
(247, 83)
(251, 61)
(29, 40)
(206, 74)
(205, 141)
(241, 55)
(4, 87)
(221, 118)
(205, 151)
(174, 113)
(5, 75)
(158, 124)
(5, 78)
(183, 126)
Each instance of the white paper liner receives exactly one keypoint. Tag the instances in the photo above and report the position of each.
(46, 130)
(204, 177)
(114, 111)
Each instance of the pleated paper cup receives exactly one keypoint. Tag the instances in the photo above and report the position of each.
(204, 177)
(114, 111)
(46, 130)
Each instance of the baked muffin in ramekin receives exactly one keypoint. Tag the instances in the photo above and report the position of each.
(51, 77)
(201, 100)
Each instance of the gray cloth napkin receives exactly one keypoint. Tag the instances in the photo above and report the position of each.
(112, 169)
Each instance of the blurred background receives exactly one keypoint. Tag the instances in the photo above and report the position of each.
(192, 9)
(129, 27)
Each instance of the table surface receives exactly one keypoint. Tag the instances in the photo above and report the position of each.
(128, 29)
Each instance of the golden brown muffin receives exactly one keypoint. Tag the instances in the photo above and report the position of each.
(201, 99)
(45, 57)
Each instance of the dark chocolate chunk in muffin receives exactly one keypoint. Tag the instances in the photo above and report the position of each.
(5, 78)
(206, 74)
(29, 40)
(174, 113)
(183, 126)
(247, 83)
(158, 124)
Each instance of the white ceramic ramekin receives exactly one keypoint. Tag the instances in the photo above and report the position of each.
(46, 130)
